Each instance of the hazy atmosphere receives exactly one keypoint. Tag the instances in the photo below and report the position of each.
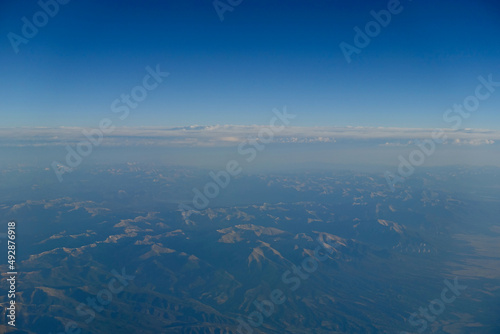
(249, 166)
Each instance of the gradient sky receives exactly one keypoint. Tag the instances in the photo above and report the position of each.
(265, 54)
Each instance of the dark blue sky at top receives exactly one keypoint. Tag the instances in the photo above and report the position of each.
(265, 54)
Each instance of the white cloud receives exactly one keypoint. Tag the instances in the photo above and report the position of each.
(230, 135)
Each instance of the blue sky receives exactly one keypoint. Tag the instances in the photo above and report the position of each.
(265, 54)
